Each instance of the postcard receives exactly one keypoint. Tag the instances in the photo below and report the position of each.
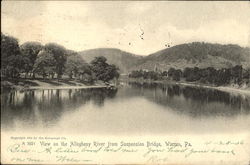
(125, 82)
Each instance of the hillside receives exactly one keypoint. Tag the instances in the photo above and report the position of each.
(180, 56)
(197, 54)
(122, 59)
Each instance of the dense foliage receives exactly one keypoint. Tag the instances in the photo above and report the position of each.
(32, 60)
(76, 66)
(11, 60)
(102, 70)
(210, 75)
(30, 51)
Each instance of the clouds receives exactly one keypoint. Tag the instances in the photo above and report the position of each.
(224, 31)
(84, 25)
(23, 9)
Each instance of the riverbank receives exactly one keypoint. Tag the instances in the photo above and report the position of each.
(25, 84)
(231, 89)
(242, 90)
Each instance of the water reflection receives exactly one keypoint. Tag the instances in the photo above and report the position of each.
(135, 107)
(47, 105)
(194, 101)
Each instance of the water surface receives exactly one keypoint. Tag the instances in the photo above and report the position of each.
(132, 109)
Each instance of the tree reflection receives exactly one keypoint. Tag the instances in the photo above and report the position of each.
(47, 105)
(195, 101)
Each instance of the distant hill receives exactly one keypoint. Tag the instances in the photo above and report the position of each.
(197, 54)
(122, 59)
(180, 56)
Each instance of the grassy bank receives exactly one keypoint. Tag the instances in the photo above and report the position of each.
(22, 84)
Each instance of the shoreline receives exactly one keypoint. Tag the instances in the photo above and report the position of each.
(49, 84)
(67, 87)
(43, 86)
(22, 88)
(221, 88)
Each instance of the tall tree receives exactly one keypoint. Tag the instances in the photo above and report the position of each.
(236, 73)
(60, 55)
(11, 60)
(177, 75)
(45, 64)
(171, 72)
(111, 72)
(102, 70)
(30, 51)
(75, 65)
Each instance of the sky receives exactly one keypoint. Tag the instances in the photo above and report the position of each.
(140, 27)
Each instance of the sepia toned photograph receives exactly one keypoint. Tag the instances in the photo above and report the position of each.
(125, 69)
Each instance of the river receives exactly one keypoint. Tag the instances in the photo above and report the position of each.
(134, 108)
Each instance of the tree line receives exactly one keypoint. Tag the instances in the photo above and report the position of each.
(32, 60)
(210, 75)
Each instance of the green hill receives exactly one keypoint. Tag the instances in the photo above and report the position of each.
(122, 59)
(197, 54)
